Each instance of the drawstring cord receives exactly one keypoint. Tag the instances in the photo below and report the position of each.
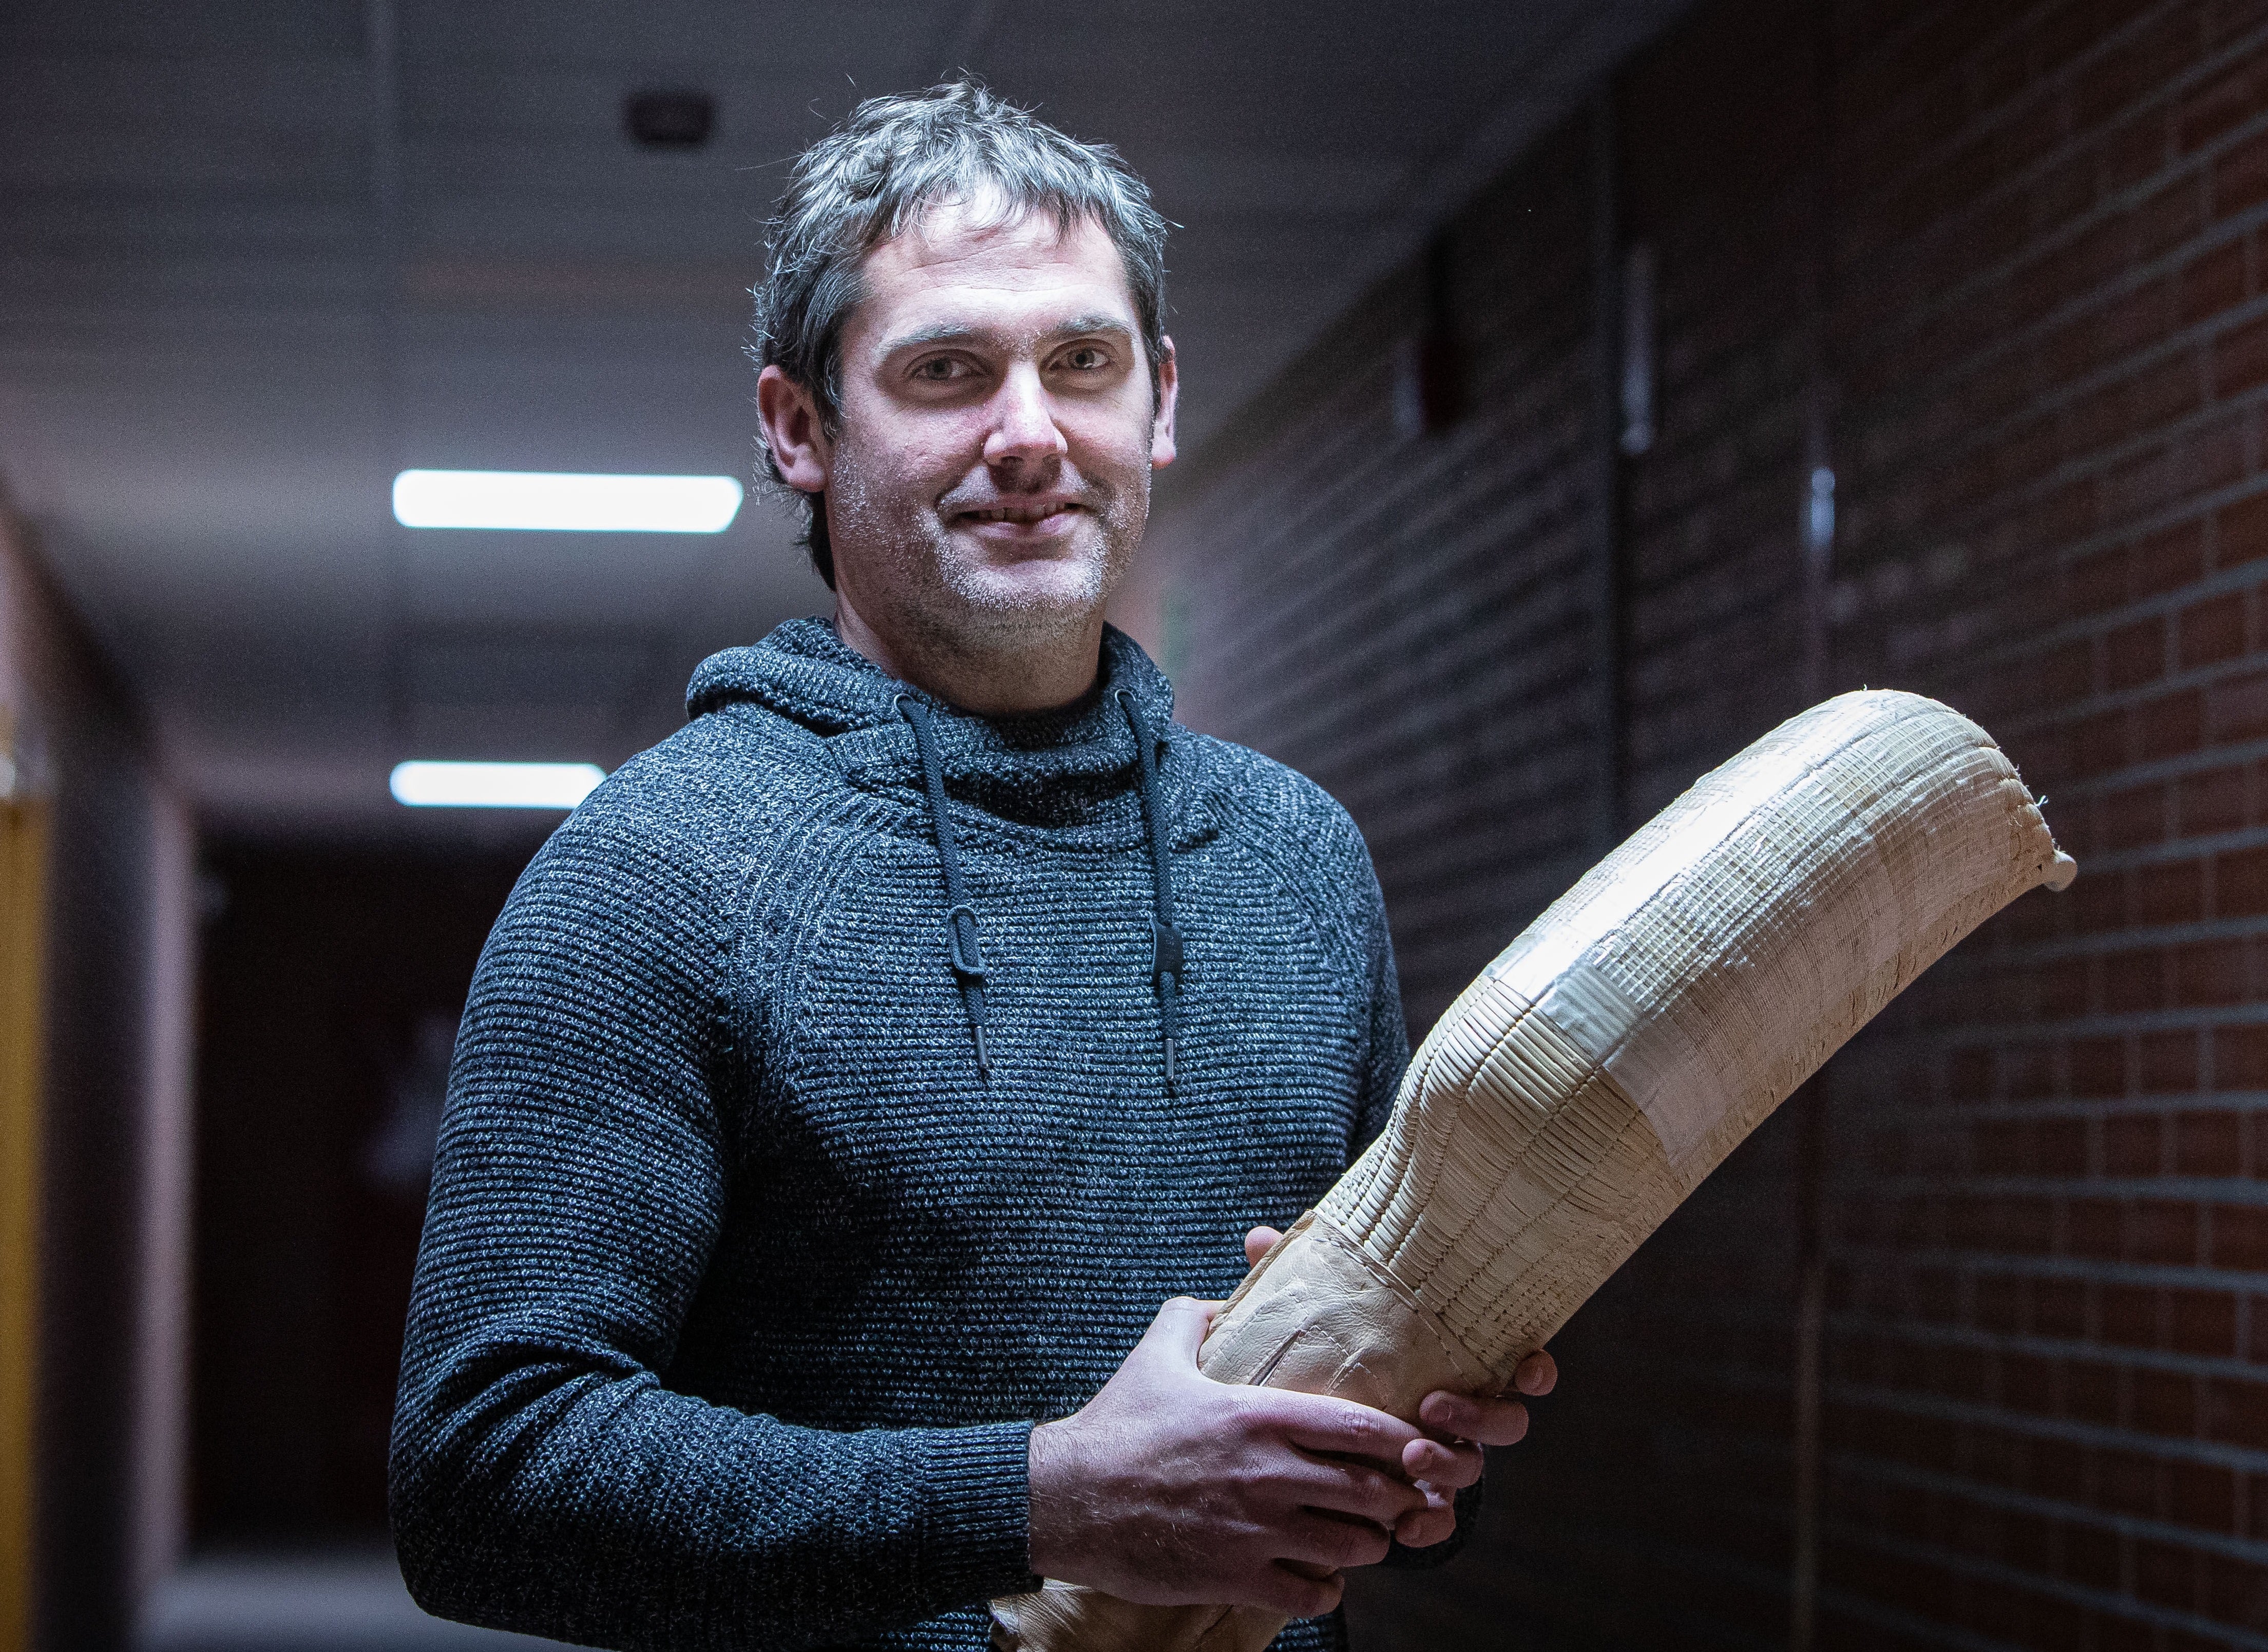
(960, 933)
(961, 941)
(1164, 940)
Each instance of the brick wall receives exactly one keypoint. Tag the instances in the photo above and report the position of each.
(2040, 359)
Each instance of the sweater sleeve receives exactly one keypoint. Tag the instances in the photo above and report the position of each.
(1388, 1052)
(544, 1477)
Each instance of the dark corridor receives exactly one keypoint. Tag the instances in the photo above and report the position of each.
(338, 976)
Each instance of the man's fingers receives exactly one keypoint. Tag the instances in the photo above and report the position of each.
(1425, 1528)
(1292, 1591)
(1537, 1375)
(1497, 1422)
(1179, 1329)
(1324, 1543)
(1437, 1462)
(1351, 1489)
(1258, 1243)
(1338, 1428)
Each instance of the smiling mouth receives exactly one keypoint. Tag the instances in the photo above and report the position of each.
(1020, 513)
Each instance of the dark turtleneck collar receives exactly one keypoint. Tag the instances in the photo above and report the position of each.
(1044, 768)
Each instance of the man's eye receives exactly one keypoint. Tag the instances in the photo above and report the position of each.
(1087, 358)
(939, 370)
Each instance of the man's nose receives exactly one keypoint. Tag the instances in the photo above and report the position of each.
(1023, 426)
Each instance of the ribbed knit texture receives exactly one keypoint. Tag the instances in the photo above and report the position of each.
(740, 1288)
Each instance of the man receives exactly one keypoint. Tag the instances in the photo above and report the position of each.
(849, 1081)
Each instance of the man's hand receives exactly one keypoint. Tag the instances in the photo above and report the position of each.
(1170, 1488)
(1448, 1456)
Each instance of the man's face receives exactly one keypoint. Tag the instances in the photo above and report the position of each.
(991, 478)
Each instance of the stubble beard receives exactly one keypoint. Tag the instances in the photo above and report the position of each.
(940, 590)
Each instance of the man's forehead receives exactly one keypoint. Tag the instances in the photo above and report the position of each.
(988, 266)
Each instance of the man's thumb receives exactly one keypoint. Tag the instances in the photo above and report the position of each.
(1179, 1329)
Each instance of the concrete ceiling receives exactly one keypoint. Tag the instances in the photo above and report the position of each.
(257, 255)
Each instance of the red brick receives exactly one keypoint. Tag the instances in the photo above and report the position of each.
(2215, 972)
(2201, 1495)
(2099, 742)
(2126, 820)
(2090, 1392)
(2127, 1482)
(2212, 802)
(2239, 359)
(2213, 630)
(2131, 655)
(2090, 1556)
(2129, 1315)
(2155, 397)
(2201, 1322)
(2102, 334)
(2064, 989)
(2138, 982)
(2226, 19)
(2240, 707)
(2208, 1144)
(2094, 1228)
(2239, 1058)
(2003, 1148)
(2164, 562)
(2167, 1063)
(2241, 532)
(2133, 1145)
(2098, 1066)
(1951, 333)
(2222, 104)
(2240, 1237)
(2174, 893)
(2236, 1591)
(2212, 283)
(2237, 1412)
(2164, 1574)
(2173, 723)
(2028, 1385)
(2102, 580)
(2240, 884)
(2164, 1402)
(2059, 1309)
(2240, 176)
(2060, 1146)
(2164, 1231)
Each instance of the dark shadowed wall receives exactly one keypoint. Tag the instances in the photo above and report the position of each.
(1998, 271)
(105, 1247)
(333, 980)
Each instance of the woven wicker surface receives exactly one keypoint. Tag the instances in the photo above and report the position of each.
(1607, 1060)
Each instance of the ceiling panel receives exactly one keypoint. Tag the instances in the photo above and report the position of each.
(248, 270)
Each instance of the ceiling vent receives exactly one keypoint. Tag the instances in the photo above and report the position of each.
(669, 120)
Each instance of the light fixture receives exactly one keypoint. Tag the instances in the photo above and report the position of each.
(494, 785)
(669, 119)
(566, 501)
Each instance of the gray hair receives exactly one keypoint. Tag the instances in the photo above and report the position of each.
(875, 175)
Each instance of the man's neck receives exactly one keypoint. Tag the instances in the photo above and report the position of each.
(990, 682)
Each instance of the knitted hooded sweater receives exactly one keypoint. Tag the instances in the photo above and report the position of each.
(741, 1284)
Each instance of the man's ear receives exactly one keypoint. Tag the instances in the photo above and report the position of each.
(1169, 389)
(793, 431)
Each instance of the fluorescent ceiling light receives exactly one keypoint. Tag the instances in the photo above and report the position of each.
(566, 501)
(494, 785)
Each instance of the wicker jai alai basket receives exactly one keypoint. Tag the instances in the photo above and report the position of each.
(1607, 1060)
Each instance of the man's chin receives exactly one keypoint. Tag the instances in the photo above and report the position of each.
(1038, 588)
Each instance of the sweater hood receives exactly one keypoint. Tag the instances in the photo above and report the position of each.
(1055, 768)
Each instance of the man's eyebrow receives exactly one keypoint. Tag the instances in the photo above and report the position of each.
(1099, 321)
(955, 333)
